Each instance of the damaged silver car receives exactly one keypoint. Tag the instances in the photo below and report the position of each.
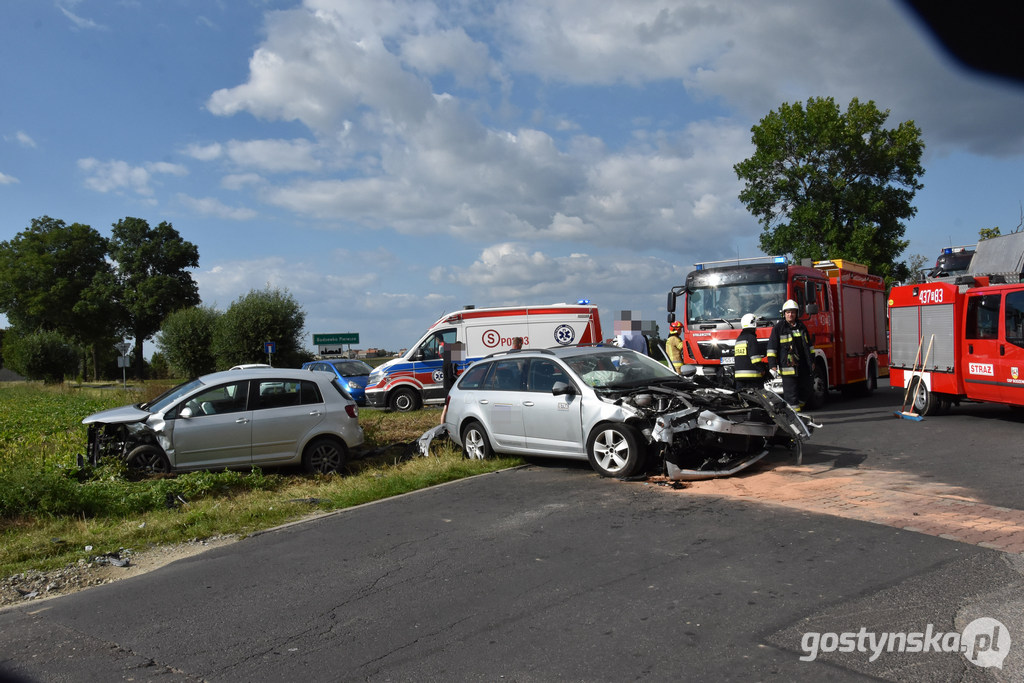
(619, 409)
(235, 419)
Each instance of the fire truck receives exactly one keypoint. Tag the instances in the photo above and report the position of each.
(962, 340)
(842, 305)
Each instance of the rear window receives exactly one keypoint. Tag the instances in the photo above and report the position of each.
(474, 377)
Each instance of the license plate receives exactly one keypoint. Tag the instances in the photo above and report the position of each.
(728, 360)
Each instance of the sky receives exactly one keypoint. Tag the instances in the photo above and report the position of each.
(389, 161)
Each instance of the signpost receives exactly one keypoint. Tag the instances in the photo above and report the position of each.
(325, 341)
(122, 362)
(269, 348)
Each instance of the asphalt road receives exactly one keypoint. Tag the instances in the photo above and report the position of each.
(551, 573)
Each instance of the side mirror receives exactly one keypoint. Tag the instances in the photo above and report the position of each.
(185, 412)
(688, 371)
(671, 306)
(562, 388)
(812, 309)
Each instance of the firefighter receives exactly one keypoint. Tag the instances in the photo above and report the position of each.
(789, 355)
(674, 345)
(749, 367)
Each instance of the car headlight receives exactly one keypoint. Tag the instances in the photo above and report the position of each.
(352, 385)
(374, 378)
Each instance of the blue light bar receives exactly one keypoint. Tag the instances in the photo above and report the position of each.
(583, 302)
(779, 259)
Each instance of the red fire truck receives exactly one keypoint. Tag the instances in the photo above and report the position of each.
(962, 340)
(842, 305)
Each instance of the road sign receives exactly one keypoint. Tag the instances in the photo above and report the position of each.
(342, 338)
(269, 347)
(123, 348)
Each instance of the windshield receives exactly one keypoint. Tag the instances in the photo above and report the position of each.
(351, 368)
(618, 368)
(168, 397)
(732, 302)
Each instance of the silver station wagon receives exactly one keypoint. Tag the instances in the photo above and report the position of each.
(618, 409)
(235, 419)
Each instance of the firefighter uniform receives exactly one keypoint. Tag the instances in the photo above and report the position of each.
(789, 350)
(674, 346)
(749, 362)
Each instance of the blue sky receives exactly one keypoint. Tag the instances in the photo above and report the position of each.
(390, 161)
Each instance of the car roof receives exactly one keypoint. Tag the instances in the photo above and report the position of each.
(255, 373)
(562, 351)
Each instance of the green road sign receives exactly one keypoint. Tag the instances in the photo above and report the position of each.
(344, 338)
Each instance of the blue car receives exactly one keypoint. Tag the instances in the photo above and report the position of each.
(352, 373)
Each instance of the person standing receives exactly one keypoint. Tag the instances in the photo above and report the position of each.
(789, 355)
(674, 345)
(748, 374)
(517, 343)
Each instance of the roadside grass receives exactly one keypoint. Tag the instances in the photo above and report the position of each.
(51, 510)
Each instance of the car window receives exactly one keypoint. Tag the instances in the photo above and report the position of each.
(543, 374)
(474, 377)
(506, 376)
(352, 368)
(225, 398)
(276, 393)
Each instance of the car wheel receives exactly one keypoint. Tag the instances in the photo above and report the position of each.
(614, 450)
(403, 400)
(475, 445)
(148, 458)
(924, 400)
(324, 456)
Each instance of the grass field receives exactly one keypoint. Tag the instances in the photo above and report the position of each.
(51, 510)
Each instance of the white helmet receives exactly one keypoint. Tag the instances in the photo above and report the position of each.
(749, 320)
(790, 305)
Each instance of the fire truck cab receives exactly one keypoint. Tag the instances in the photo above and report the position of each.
(962, 340)
(842, 305)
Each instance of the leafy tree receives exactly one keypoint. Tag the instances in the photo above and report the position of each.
(988, 233)
(256, 318)
(45, 355)
(186, 341)
(153, 277)
(917, 264)
(828, 184)
(55, 276)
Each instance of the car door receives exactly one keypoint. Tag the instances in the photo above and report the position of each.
(284, 412)
(552, 424)
(218, 431)
(501, 400)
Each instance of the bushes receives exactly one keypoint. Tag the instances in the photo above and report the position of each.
(48, 356)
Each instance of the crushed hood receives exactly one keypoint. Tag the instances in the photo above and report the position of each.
(122, 415)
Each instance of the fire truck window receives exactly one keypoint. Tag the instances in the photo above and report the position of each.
(983, 317)
(1014, 318)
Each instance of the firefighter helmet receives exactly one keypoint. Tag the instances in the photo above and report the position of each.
(790, 305)
(675, 326)
(749, 320)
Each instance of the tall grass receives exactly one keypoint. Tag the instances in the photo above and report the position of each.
(51, 510)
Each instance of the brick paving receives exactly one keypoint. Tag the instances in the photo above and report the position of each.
(895, 499)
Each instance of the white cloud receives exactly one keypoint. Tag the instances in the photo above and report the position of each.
(278, 156)
(7, 179)
(205, 152)
(115, 175)
(24, 139)
(238, 181)
(78, 21)
(212, 206)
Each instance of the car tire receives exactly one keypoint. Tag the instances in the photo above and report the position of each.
(475, 445)
(404, 400)
(871, 382)
(324, 456)
(149, 459)
(615, 450)
(924, 401)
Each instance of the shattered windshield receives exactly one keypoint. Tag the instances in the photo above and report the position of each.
(619, 368)
(729, 303)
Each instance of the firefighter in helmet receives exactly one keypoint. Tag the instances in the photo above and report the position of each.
(789, 355)
(674, 345)
(749, 367)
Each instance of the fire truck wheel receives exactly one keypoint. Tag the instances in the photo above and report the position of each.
(925, 402)
(403, 400)
(871, 382)
(819, 387)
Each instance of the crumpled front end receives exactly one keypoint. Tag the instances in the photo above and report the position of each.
(118, 439)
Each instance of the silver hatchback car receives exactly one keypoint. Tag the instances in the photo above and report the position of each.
(616, 408)
(234, 419)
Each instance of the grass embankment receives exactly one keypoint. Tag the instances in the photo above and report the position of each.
(50, 510)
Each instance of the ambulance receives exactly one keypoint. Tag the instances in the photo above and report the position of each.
(962, 340)
(417, 378)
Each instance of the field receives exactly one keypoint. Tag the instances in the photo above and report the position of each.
(53, 513)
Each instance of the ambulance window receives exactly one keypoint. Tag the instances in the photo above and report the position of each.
(983, 317)
(1014, 318)
(432, 347)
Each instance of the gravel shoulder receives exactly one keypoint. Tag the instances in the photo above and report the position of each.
(33, 586)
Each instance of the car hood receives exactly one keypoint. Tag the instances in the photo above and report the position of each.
(122, 415)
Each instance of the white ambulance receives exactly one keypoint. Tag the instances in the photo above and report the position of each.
(417, 378)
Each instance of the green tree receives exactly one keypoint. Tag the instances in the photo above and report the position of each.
(256, 318)
(186, 341)
(827, 184)
(988, 233)
(153, 277)
(917, 264)
(55, 276)
(45, 355)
